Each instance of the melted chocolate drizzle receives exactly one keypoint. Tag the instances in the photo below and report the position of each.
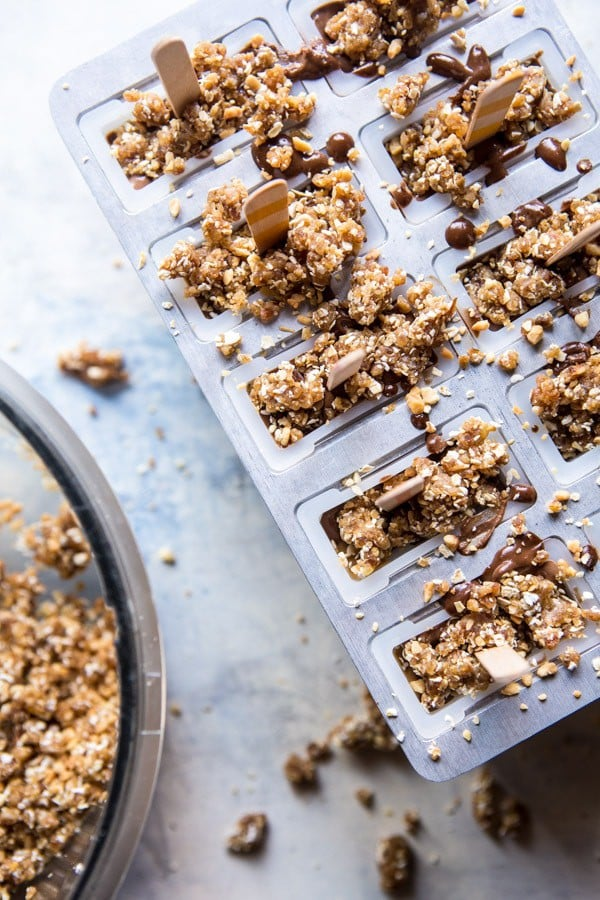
(551, 151)
(301, 163)
(339, 145)
(519, 557)
(529, 214)
(309, 62)
(460, 234)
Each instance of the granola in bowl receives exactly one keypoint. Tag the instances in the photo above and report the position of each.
(507, 282)
(224, 270)
(520, 601)
(249, 89)
(567, 398)
(431, 155)
(397, 347)
(59, 718)
(463, 498)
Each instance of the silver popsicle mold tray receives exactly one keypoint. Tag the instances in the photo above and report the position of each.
(300, 483)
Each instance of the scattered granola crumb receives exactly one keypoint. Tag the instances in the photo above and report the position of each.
(395, 862)
(301, 772)
(249, 834)
(365, 796)
(97, 368)
(166, 556)
(412, 821)
(228, 342)
(494, 810)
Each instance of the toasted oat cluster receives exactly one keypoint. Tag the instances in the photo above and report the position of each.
(395, 862)
(398, 347)
(402, 97)
(363, 31)
(249, 834)
(97, 368)
(567, 399)
(59, 714)
(463, 480)
(364, 731)
(325, 231)
(59, 543)
(525, 608)
(515, 278)
(249, 90)
(494, 810)
(431, 155)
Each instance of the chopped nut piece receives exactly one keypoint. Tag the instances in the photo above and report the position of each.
(509, 360)
(546, 669)
(228, 342)
(97, 368)
(166, 556)
(249, 834)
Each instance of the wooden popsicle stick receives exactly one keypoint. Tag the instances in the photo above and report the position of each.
(344, 368)
(176, 72)
(267, 214)
(586, 236)
(491, 108)
(400, 494)
(503, 664)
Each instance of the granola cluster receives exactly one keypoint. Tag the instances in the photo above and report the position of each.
(59, 714)
(398, 346)
(249, 90)
(364, 731)
(325, 231)
(497, 812)
(525, 608)
(402, 97)
(249, 834)
(95, 367)
(431, 155)
(460, 483)
(363, 31)
(567, 399)
(506, 283)
(59, 543)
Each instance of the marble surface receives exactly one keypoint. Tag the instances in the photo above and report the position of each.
(252, 682)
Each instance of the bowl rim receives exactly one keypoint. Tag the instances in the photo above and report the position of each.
(139, 647)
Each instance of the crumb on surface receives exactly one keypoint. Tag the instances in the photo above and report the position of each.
(249, 834)
(95, 367)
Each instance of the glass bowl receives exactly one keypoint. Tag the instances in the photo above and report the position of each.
(43, 463)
